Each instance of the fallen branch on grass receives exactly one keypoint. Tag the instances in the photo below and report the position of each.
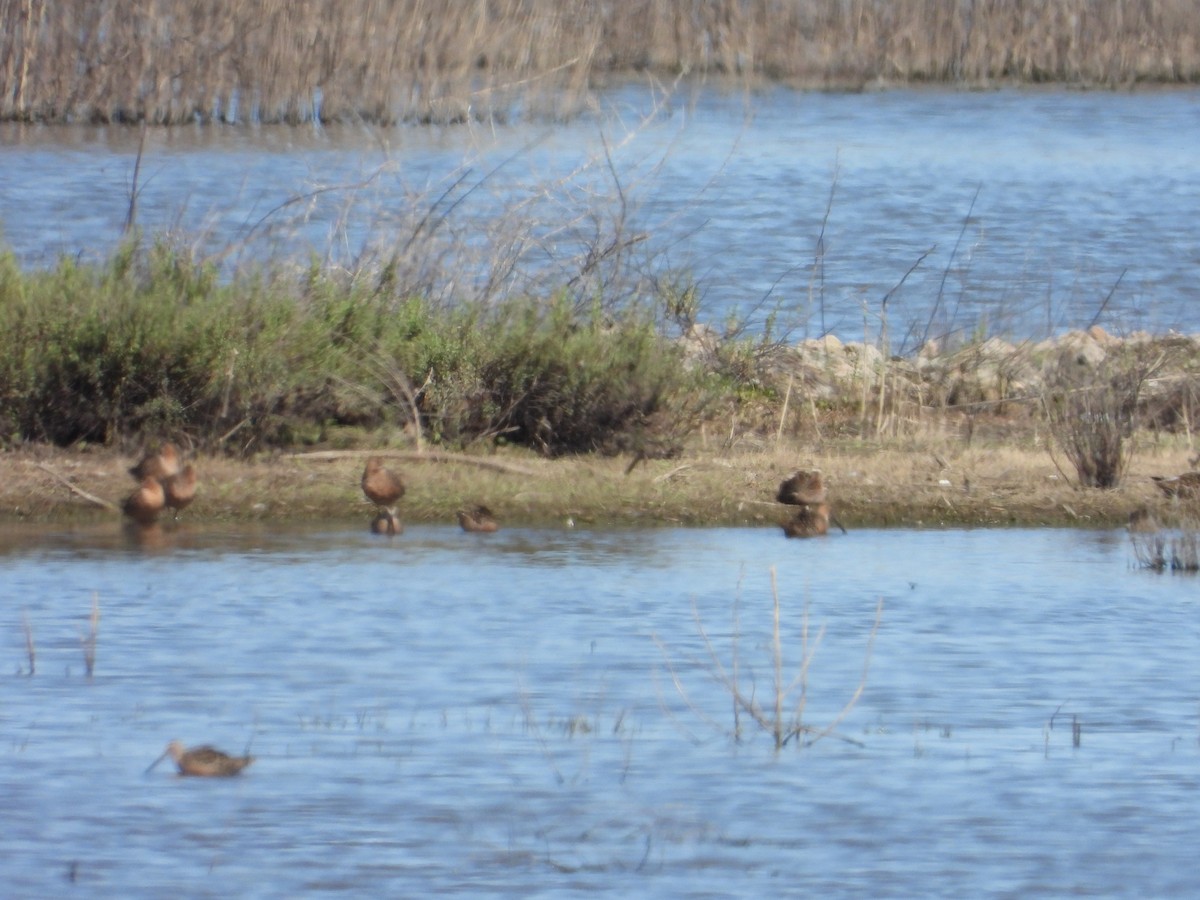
(461, 458)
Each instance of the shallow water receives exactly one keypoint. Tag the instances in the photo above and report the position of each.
(1019, 213)
(535, 713)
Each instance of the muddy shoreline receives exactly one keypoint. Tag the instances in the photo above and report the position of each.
(996, 487)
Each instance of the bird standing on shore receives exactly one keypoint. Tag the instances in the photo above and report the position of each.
(146, 502)
(162, 464)
(180, 489)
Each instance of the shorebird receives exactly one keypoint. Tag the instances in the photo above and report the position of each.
(802, 489)
(811, 520)
(381, 486)
(162, 464)
(1185, 486)
(387, 523)
(204, 761)
(478, 519)
(145, 503)
(180, 489)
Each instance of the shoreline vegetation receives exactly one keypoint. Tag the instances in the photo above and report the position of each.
(550, 340)
(278, 383)
(171, 62)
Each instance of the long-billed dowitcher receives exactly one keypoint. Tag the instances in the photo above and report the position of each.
(180, 489)
(478, 519)
(811, 520)
(146, 502)
(1185, 486)
(162, 464)
(802, 488)
(381, 486)
(204, 761)
(387, 523)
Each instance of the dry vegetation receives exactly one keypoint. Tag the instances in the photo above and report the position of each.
(174, 61)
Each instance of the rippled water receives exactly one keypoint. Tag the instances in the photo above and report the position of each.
(1020, 213)
(535, 713)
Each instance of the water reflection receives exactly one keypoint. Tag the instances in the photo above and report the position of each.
(539, 711)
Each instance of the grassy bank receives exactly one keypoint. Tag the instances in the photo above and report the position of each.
(554, 407)
(913, 486)
(177, 61)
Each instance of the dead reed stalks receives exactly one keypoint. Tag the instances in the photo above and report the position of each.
(179, 61)
(782, 716)
(30, 649)
(1168, 549)
(89, 639)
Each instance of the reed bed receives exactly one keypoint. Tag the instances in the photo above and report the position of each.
(1174, 549)
(177, 61)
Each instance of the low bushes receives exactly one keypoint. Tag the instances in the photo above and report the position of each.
(151, 343)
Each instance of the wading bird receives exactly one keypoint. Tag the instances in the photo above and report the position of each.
(381, 486)
(203, 761)
(145, 503)
(387, 523)
(478, 519)
(162, 464)
(810, 521)
(802, 489)
(180, 489)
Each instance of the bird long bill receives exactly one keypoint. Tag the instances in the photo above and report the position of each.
(150, 767)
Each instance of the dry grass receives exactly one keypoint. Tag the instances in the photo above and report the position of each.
(175, 61)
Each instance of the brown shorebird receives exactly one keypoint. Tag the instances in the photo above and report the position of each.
(180, 489)
(478, 519)
(145, 503)
(802, 489)
(162, 464)
(811, 520)
(204, 761)
(381, 486)
(1185, 486)
(387, 523)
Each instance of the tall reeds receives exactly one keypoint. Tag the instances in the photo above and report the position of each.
(174, 61)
